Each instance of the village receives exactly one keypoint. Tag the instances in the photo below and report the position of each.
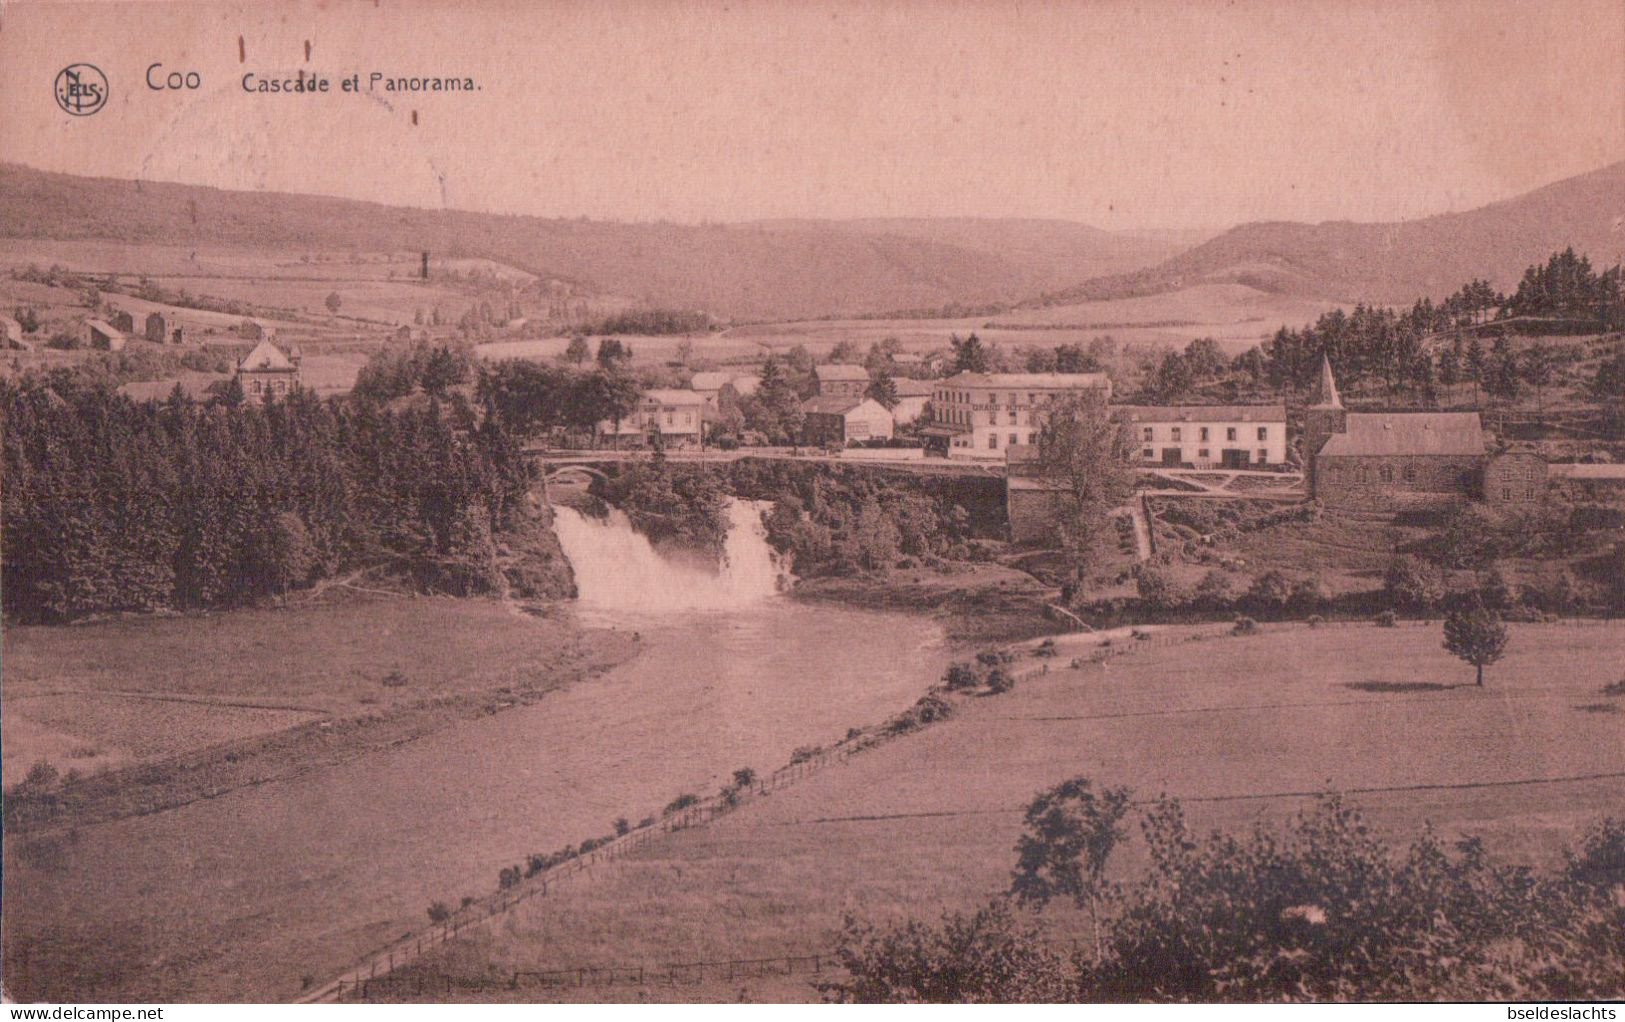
(813, 503)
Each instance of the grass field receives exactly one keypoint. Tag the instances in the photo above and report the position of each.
(1242, 729)
(119, 692)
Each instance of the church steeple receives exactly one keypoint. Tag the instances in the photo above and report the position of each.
(1328, 396)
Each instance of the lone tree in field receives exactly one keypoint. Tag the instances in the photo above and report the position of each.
(1477, 636)
(333, 302)
(577, 352)
(1070, 833)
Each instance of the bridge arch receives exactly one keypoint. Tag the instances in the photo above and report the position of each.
(575, 474)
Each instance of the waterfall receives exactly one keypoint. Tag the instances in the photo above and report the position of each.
(617, 569)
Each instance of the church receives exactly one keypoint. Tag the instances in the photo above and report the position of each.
(1389, 459)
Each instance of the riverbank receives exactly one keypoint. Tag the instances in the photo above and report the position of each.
(245, 893)
(139, 715)
(975, 603)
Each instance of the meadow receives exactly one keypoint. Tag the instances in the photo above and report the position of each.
(1243, 730)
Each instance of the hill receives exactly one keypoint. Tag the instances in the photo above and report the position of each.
(781, 270)
(1395, 263)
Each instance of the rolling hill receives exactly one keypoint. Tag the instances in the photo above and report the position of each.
(782, 270)
(1394, 262)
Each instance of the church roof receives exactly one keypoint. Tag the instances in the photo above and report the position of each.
(1407, 433)
(1327, 396)
(265, 358)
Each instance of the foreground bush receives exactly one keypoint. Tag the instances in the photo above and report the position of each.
(1319, 910)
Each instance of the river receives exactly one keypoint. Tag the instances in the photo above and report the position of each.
(299, 877)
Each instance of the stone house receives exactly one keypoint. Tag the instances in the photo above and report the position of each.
(266, 371)
(840, 380)
(980, 415)
(1514, 477)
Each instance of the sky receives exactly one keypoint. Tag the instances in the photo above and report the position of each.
(1195, 114)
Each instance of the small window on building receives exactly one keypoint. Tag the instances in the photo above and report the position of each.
(1146, 433)
(1204, 452)
(1386, 473)
(1032, 438)
(1263, 455)
(1012, 416)
(1529, 495)
(1013, 440)
(1230, 433)
(993, 441)
(1148, 454)
(1410, 473)
(1263, 432)
(1202, 434)
(1506, 493)
(1175, 434)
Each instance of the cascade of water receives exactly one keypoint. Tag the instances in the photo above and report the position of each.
(617, 569)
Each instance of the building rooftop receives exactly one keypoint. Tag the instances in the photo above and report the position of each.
(1199, 413)
(913, 388)
(1034, 381)
(1583, 472)
(1407, 433)
(831, 404)
(265, 358)
(669, 396)
(841, 372)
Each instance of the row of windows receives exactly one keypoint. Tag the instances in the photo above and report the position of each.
(276, 386)
(1202, 454)
(993, 440)
(1176, 433)
(1011, 398)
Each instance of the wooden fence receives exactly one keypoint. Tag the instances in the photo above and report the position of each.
(412, 947)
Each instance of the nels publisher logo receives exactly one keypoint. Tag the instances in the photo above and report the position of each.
(81, 89)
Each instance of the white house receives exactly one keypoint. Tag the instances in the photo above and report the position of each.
(1206, 436)
(978, 415)
(837, 420)
(676, 414)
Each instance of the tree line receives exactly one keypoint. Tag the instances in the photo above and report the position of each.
(114, 505)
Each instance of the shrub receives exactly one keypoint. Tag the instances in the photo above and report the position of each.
(985, 957)
(1045, 648)
(1412, 584)
(930, 709)
(622, 827)
(994, 657)
(508, 876)
(1244, 626)
(467, 901)
(1000, 681)
(961, 675)
(1315, 620)
(439, 912)
(646, 822)
(681, 802)
(805, 753)
(1387, 619)
(1614, 688)
(744, 777)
